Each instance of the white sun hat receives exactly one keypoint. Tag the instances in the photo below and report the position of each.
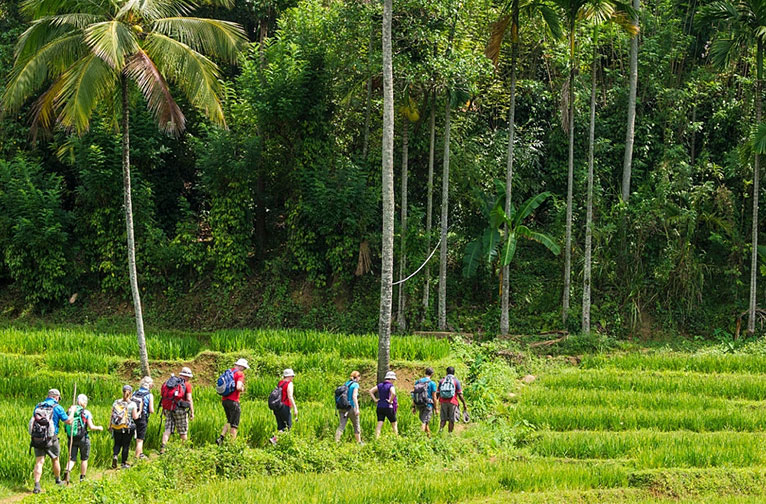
(186, 372)
(242, 363)
(288, 373)
(390, 376)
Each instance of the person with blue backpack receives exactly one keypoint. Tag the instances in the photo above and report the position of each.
(450, 390)
(347, 404)
(424, 400)
(144, 399)
(229, 386)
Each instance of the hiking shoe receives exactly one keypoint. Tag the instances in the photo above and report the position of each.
(162, 450)
(37, 488)
(60, 483)
(143, 456)
(219, 440)
(82, 477)
(66, 476)
(125, 466)
(114, 462)
(273, 440)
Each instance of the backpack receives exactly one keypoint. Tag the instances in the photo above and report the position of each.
(275, 399)
(121, 419)
(420, 395)
(141, 398)
(172, 393)
(447, 387)
(341, 397)
(41, 427)
(79, 429)
(226, 384)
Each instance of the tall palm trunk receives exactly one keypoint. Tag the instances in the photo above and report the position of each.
(589, 211)
(504, 296)
(445, 208)
(429, 204)
(401, 320)
(756, 185)
(570, 181)
(143, 356)
(627, 164)
(387, 260)
(368, 102)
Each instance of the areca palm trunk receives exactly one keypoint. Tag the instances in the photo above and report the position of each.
(387, 259)
(589, 206)
(442, 322)
(429, 204)
(143, 356)
(756, 185)
(570, 181)
(401, 320)
(368, 102)
(505, 294)
(627, 164)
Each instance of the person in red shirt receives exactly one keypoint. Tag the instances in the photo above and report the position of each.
(231, 402)
(449, 391)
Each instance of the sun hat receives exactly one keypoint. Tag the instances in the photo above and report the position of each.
(186, 372)
(390, 376)
(243, 363)
(288, 373)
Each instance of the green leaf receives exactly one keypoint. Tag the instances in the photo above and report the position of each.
(541, 238)
(529, 206)
(759, 139)
(489, 240)
(509, 250)
(472, 258)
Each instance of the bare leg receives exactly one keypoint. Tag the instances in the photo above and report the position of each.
(395, 426)
(83, 467)
(139, 447)
(57, 468)
(225, 429)
(378, 428)
(233, 433)
(358, 436)
(451, 425)
(38, 472)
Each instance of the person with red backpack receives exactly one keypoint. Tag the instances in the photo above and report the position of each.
(177, 406)
(44, 431)
(230, 385)
(78, 432)
(281, 400)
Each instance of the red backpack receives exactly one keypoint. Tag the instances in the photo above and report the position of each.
(173, 391)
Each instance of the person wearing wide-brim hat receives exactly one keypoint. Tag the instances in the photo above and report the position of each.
(231, 406)
(387, 402)
(284, 415)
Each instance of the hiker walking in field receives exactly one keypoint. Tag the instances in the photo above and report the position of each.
(281, 400)
(347, 404)
(230, 385)
(424, 400)
(123, 426)
(387, 402)
(44, 430)
(450, 390)
(144, 399)
(78, 433)
(177, 406)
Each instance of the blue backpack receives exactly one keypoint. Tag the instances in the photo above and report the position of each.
(225, 384)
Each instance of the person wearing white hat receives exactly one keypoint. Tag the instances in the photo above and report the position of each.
(230, 401)
(283, 413)
(387, 402)
(177, 406)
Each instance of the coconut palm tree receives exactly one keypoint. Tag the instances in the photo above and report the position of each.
(510, 21)
(599, 12)
(630, 132)
(741, 28)
(387, 267)
(89, 53)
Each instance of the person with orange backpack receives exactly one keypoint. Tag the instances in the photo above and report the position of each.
(123, 425)
(177, 406)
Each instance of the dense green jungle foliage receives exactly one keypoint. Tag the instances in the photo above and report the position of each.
(275, 221)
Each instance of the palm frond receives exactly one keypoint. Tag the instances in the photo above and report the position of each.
(497, 34)
(153, 86)
(509, 250)
(540, 238)
(49, 61)
(530, 206)
(36, 9)
(220, 39)
(552, 20)
(112, 41)
(194, 74)
(83, 86)
(723, 50)
(758, 139)
(43, 111)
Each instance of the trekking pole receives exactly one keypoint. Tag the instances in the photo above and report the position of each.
(71, 437)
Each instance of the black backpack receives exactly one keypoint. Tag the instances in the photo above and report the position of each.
(41, 426)
(275, 399)
(341, 397)
(141, 398)
(420, 393)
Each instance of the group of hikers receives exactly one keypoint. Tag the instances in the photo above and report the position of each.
(130, 413)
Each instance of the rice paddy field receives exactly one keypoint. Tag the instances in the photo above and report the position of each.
(638, 425)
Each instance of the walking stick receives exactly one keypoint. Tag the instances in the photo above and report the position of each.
(71, 437)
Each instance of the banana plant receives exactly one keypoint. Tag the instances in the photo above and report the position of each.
(489, 247)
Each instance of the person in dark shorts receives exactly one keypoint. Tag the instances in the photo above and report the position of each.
(144, 398)
(284, 415)
(450, 390)
(49, 408)
(387, 402)
(83, 424)
(230, 402)
(425, 411)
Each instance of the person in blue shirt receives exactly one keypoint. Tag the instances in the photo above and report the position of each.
(49, 408)
(352, 413)
(426, 411)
